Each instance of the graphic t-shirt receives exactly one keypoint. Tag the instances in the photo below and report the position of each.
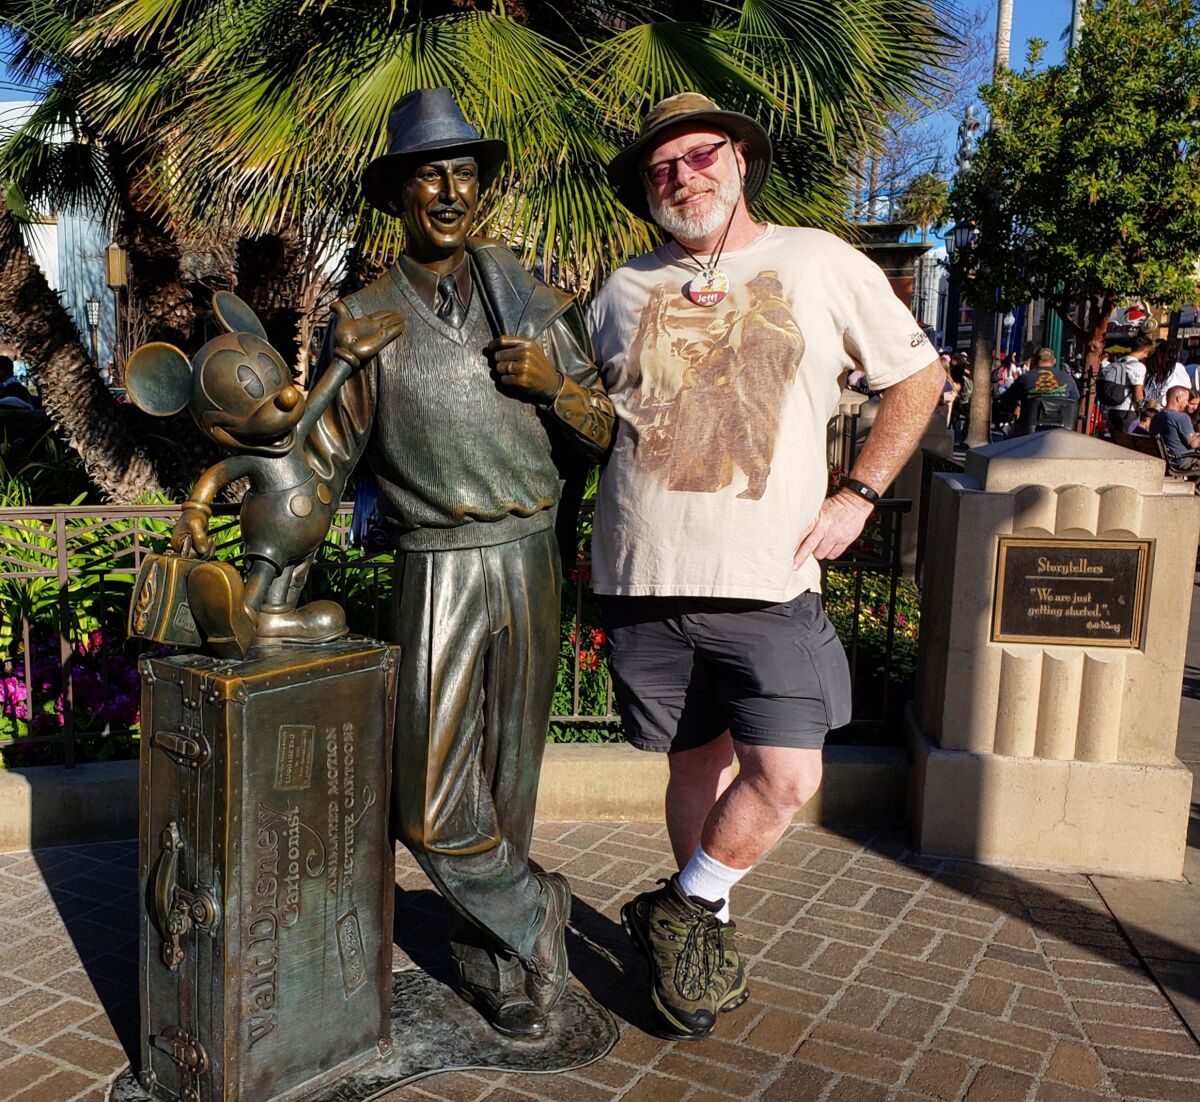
(719, 462)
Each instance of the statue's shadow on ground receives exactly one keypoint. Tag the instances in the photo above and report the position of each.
(603, 962)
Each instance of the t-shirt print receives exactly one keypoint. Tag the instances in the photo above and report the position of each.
(712, 382)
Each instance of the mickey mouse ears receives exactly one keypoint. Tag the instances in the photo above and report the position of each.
(158, 376)
(158, 379)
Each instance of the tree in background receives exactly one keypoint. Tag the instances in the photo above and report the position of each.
(227, 137)
(1087, 188)
(924, 202)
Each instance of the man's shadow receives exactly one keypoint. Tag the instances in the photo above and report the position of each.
(602, 959)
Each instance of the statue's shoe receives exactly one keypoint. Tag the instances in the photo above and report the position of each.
(315, 622)
(215, 594)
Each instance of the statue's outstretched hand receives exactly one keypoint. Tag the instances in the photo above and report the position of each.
(190, 537)
(359, 339)
(520, 364)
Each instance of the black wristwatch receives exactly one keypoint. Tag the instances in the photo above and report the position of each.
(861, 488)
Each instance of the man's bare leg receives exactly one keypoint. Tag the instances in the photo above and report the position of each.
(698, 778)
(774, 782)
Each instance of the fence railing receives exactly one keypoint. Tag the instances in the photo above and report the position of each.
(68, 675)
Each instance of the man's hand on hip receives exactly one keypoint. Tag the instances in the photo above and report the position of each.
(839, 523)
(520, 364)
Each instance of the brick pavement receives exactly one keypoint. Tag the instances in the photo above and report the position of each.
(876, 975)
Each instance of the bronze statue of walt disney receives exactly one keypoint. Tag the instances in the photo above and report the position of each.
(465, 423)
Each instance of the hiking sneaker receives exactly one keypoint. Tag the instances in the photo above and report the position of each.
(731, 965)
(690, 973)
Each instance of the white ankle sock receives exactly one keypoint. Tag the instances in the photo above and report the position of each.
(707, 878)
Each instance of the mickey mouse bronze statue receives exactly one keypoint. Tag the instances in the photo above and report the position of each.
(240, 392)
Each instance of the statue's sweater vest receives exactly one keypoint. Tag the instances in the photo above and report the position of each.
(458, 462)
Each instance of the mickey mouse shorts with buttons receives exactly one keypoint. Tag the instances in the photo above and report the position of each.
(685, 669)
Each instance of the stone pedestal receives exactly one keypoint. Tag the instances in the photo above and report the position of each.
(1048, 684)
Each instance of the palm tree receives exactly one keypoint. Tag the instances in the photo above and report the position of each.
(69, 384)
(924, 202)
(219, 122)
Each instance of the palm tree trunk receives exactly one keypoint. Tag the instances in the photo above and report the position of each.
(74, 396)
(1004, 13)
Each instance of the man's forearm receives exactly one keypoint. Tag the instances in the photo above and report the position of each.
(904, 412)
(587, 414)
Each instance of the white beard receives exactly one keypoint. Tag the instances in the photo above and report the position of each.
(688, 224)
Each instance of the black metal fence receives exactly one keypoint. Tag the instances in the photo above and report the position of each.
(68, 675)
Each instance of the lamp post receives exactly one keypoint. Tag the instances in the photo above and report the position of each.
(93, 321)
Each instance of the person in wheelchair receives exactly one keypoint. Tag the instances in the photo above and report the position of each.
(1045, 397)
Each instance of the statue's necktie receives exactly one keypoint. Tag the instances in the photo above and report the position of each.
(449, 306)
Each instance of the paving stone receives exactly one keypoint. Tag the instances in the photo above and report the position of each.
(797, 1083)
(911, 1018)
(845, 893)
(1008, 1033)
(903, 983)
(27, 1004)
(836, 1058)
(1059, 1092)
(1147, 1040)
(1152, 1063)
(1154, 1087)
(59, 1087)
(939, 1074)
(860, 1006)
(1150, 1017)
(1016, 973)
(49, 1022)
(849, 1089)
(838, 959)
(18, 1075)
(980, 1048)
(895, 1048)
(987, 995)
(1061, 1024)
(795, 948)
(85, 1052)
(455, 1087)
(732, 1082)
(956, 951)
(657, 1088)
(911, 941)
(993, 1084)
(557, 1088)
(1075, 1064)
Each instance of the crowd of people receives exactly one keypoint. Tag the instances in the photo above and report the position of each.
(1146, 390)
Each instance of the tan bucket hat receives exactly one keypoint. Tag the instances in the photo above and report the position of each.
(624, 170)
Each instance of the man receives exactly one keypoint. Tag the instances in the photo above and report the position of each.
(13, 393)
(1121, 384)
(466, 414)
(724, 352)
(1176, 430)
(1044, 380)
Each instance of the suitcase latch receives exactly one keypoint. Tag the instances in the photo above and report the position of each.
(188, 1053)
(176, 910)
(186, 744)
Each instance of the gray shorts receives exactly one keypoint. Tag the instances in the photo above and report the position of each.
(685, 669)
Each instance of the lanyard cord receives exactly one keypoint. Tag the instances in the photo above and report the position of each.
(715, 258)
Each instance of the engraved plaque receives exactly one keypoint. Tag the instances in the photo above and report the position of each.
(294, 756)
(1088, 592)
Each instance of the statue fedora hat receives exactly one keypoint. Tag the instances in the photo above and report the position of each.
(625, 169)
(425, 126)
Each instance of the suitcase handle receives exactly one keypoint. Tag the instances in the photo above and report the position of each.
(186, 745)
(177, 911)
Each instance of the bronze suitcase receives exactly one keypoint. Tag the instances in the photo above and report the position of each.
(159, 611)
(266, 870)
